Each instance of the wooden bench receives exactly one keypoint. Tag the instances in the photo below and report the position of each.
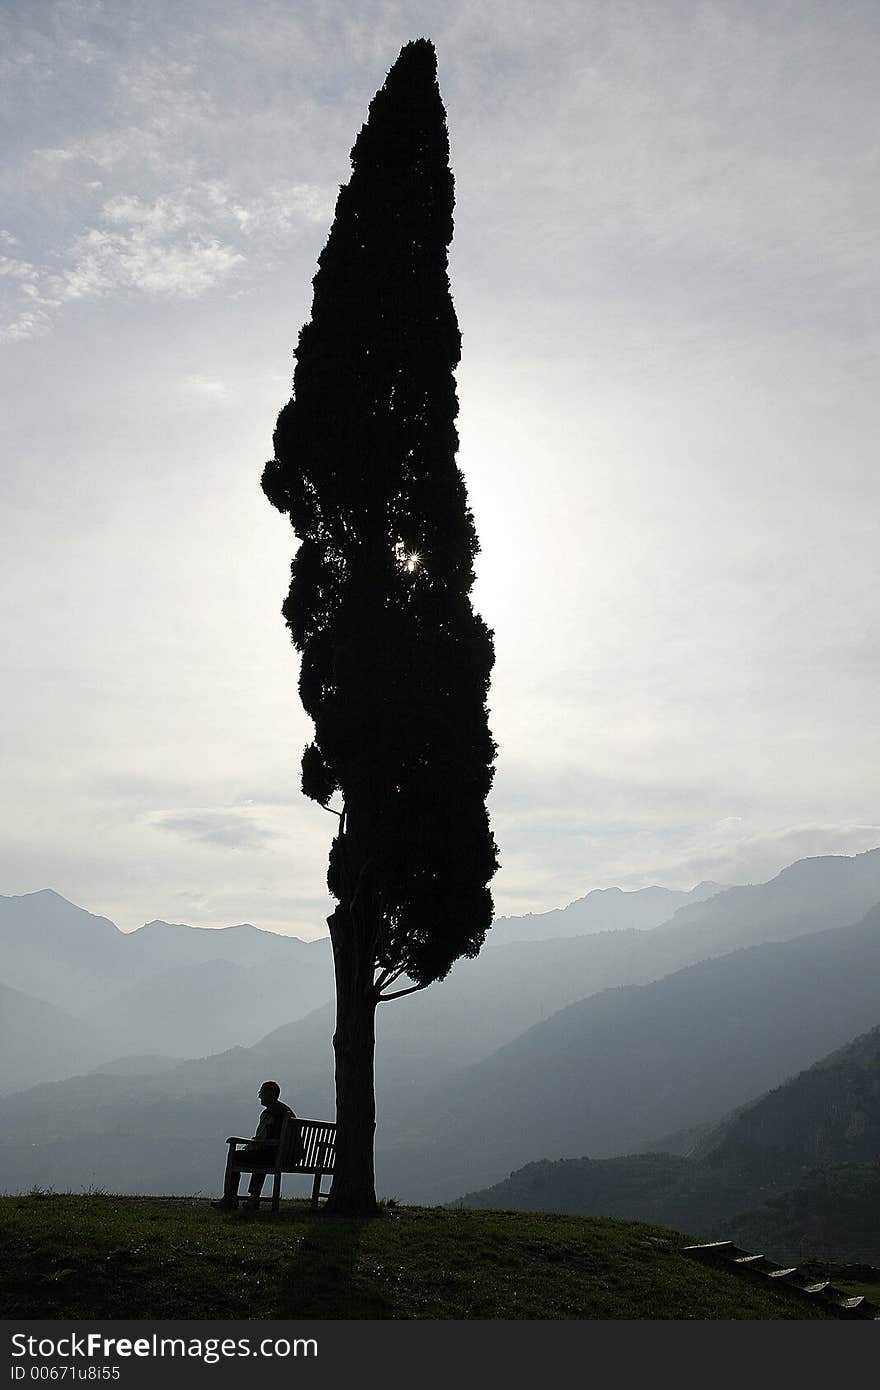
(306, 1146)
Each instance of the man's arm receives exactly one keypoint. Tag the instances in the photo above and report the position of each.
(262, 1134)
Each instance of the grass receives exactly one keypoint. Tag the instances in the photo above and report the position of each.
(68, 1256)
(869, 1291)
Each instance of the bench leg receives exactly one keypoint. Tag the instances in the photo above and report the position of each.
(316, 1189)
(231, 1179)
(276, 1192)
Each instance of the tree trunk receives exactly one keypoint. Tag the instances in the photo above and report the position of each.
(353, 1192)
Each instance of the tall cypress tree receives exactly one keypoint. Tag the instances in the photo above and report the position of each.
(395, 663)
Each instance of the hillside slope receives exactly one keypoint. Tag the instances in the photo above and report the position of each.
(39, 1040)
(93, 1257)
(165, 988)
(486, 1002)
(832, 1213)
(607, 1074)
(756, 1178)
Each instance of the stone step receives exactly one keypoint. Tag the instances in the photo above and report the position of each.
(820, 1291)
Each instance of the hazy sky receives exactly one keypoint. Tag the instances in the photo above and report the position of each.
(665, 267)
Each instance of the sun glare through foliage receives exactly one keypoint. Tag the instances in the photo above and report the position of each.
(409, 560)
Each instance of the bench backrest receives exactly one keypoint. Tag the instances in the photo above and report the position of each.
(307, 1145)
(290, 1145)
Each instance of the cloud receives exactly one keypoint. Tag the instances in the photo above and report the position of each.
(555, 864)
(178, 245)
(17, 270)
(769, 851)
(105, 261)
(166, 248)
(28, 296)
(222, 829)
(564, 830)
(283, 207)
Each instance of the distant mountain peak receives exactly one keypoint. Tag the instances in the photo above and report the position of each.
(159, 924)
(816, 863)
(48, 908)
(48, 895)
(188, 926)
(605, 909)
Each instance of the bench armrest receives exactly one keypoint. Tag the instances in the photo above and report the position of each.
(236, 1139)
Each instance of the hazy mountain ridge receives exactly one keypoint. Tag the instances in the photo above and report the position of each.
(799, 900)
(244, 944)
(832, 1213)
(429, 1048)
(168, 1011)
(827, 1114)
(165, 988)
(39, 1038)
(796, 1170)
(44, 937)
(604, 1075)
(605, 909)
(93, 1127)
(84, 964)
(486, 1002)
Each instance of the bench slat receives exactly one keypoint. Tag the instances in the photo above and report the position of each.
(319, 1147)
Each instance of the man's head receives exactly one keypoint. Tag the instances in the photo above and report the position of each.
(269, 1091)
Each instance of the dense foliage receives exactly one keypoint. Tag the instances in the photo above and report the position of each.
(395, 664)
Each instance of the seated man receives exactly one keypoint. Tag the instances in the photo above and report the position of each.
(260, 1151)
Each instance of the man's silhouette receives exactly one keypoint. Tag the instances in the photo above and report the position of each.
(260, 1151)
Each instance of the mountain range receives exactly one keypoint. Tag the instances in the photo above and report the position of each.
(607, 1074)
(605, 909)
(165, 988)
(796, 1171)
(643, 1032)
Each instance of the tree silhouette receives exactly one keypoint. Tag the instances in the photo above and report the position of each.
(395, 663)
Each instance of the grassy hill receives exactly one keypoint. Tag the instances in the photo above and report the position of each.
(94, 1256)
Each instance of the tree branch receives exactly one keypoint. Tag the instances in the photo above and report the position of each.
(388, 977)
(399, 993)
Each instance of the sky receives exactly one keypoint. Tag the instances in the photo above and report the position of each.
(665, 267)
